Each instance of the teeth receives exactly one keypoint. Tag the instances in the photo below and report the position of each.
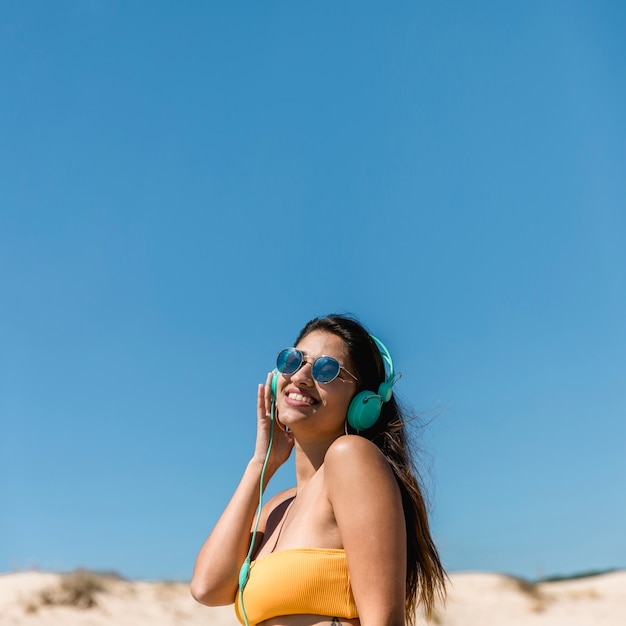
(299, 398)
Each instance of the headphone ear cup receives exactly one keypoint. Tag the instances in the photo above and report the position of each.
(364, 410)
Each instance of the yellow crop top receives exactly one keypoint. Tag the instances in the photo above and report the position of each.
(299, 581)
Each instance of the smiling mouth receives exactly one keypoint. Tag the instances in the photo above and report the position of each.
(300, 398)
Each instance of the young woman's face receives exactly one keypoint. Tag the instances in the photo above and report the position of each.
(305, 405)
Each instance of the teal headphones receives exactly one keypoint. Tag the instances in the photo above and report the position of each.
(365, 407)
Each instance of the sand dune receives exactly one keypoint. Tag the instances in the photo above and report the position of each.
(475, 599)
(495, 600)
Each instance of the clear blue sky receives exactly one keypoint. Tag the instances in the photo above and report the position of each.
(184, 185)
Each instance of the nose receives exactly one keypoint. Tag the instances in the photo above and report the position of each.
(304, 374)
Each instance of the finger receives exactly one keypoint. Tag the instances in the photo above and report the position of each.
(268, 391)
(260, 400)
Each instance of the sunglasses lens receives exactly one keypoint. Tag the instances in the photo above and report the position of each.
(325, 369)
(289, 361)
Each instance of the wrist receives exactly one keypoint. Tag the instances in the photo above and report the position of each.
(256, 465)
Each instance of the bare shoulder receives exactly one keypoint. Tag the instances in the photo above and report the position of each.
(363, 492)
(352, 445)
(275, 507)
(279, 498)
(353, 456)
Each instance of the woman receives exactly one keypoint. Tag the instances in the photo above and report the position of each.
(350, 543)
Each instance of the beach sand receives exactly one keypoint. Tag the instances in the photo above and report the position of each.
(475, 599)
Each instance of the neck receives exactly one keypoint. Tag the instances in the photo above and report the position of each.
(309, 458)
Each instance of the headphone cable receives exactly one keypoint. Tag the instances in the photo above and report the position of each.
(244, 572)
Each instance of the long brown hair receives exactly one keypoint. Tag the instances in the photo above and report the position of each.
(425, 576)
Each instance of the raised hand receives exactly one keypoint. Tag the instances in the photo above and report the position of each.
(283, 440)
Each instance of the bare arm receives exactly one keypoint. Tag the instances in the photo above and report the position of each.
(367, 505)
(216, 572)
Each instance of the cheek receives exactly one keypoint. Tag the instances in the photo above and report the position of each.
(341, 401)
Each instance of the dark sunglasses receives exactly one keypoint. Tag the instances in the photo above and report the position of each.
(324, 369)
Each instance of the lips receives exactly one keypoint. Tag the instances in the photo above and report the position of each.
(296, 397)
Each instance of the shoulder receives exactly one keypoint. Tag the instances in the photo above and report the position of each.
(353, 459)
(352, 447)
(277, 502)
(280, 497)
(363, 492)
